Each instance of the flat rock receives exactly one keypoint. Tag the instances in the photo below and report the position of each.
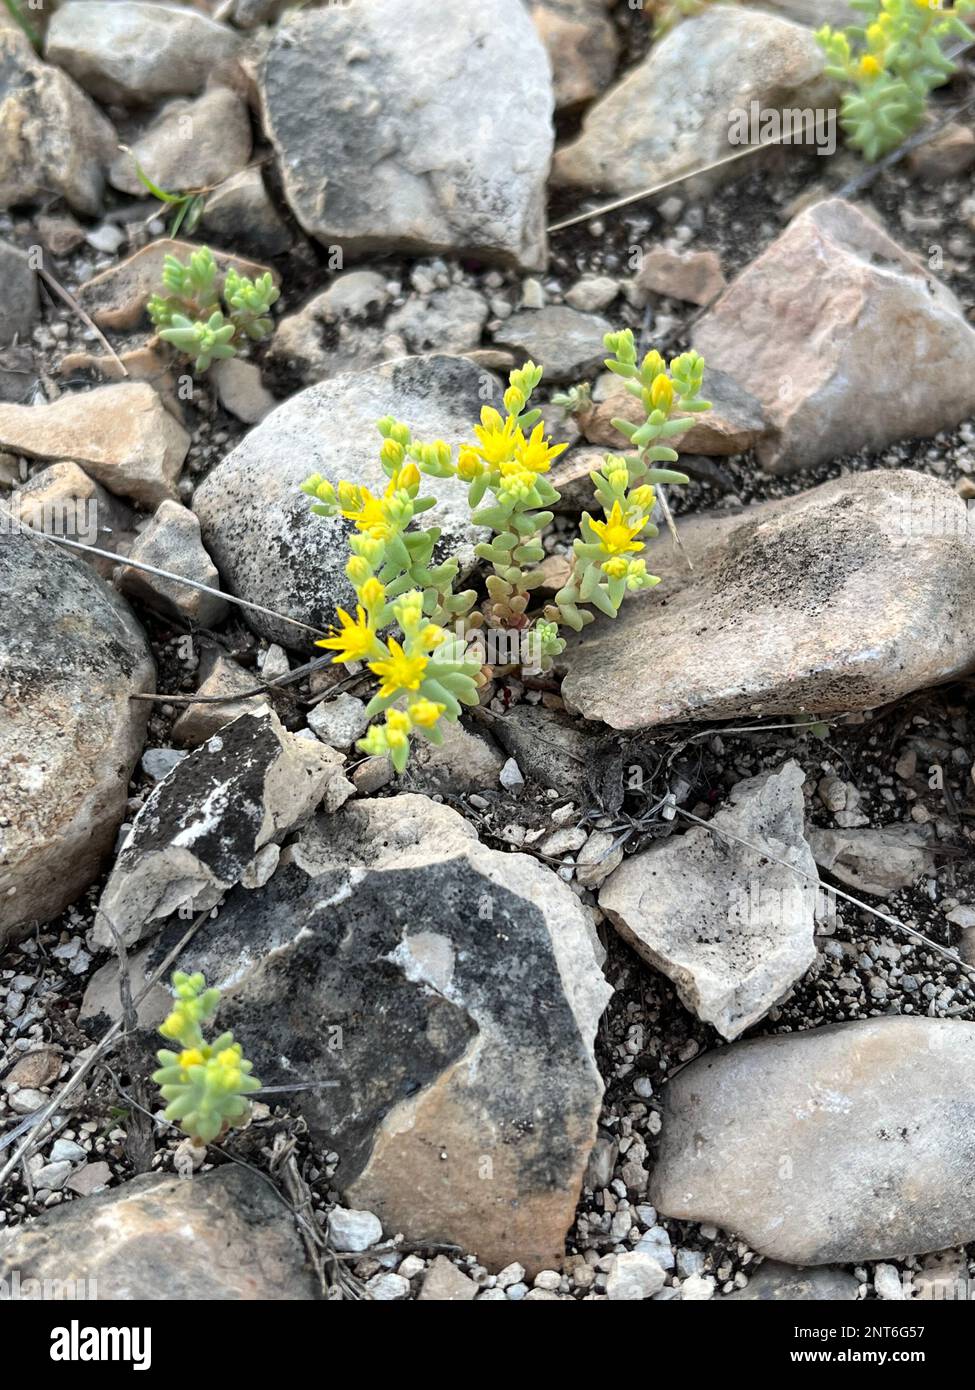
(779, 1283)
(53, 139)
(222, 1236)
(122, 435)
(841, 598)
(202, 826)
(807, 328)
(131, 52)
(257, 524)
(411, 946)
(172, 542)
(569, 345)
(670, 114)
(731, 927)
(117, 297)
(71, 654)
(837, 1145)
(875, 861)
(220, 144)
(18, 294)
(377, 119)
(580, 39)
(465, 762)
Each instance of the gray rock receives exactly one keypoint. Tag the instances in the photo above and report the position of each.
(241, 212)
(258, 525)
(465, 762)
(353, 1230)
(241, 389)
(837, 1145)
(548, 747)
(62, 500)
(409, 945)
(320, 341)
(672, 113)
(377, 118)
(18, 294)
(223, 677)
(635, 1275)
(875, 861)
(569, 345)
(840, 598)
(445, 1283)
(592, 294)
(71, 654)
(821, 371)
(132, 52)
(172, 542)
(223, 1236)
(201, 827)
(597, 859)
(732, 928)
(67, 1151)
(448, 321)
(775, 1283)
(190, 144)
(158, 763)
(51, 1176)
(53, 140)
(339, 721)
(580, 39)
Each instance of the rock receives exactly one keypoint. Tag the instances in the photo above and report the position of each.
(353, 1230)
(40, 1067)
(172, 542)
(887, 1283)
(732, 928)
(190, 144)
(223, 677)
(53, 140)
(92, 1178)
(339, 721)
(672, 113)
(774, 1283)
(444, 1283)
(315, 350)
(388, 1288)
(19, 380)
(71, 654)
(66, 1150)
(353, 295)
(635, 1275)
(377, 121)
(241, 390)
(122, 435)
(592, 293)
(408, 943)
(697, 1288)
(849, 1136)
(63, 501)
(241, 211)
(693, 276)
(569, 345)
(820, 602)
(158, 763)
(465, 762)
(813, 13)
(60, 235)
(200, 828)
(149, 362)
(258, 525)
(735, 422)
(448, 321)
(117, 298)
(580, 39)
(950, 154)
(18, 294)
(131, 52)
(547, 747)
(224, 1236)
(815, 367)
(875, 861)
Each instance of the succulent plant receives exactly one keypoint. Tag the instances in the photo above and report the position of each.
(189, 314)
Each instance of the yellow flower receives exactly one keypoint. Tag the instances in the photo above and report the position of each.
(662, 393)
(191, 1057)
(407, 477)
(617, 568)
(469, 465)
(398, 719)
(368, 512)
(616, 535)
(372, 593)
(399, 671)
(357, 569)
(496, 437)
(536, 453)
(426, 713)
(432, 636)
(354, 641)
(869, 65)
(392, 452)
(642, 497)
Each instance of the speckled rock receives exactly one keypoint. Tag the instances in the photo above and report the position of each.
(377, 116)
(62, 500)
(222, 1236)
(172, 542)
(203, 825)
(837, 1145)
(71, 654)
(257, 524)
(460, 1115)
(840, 598)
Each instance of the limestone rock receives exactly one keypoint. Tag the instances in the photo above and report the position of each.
(190, 144)
(807, 328)
(448, 321)
(580, 39)
(735, 422)
(693, 276)
(777, 1283)
(378, 120)
(71, 654)
(62, 500)
(132, 52)
(201, 827)
(172, 542)
(18, 294)
(221, 677)
(732, 928)
(838, 1145)
(841, 598)
(241, 389)
(257, 524)
(122, 436)
(241, 212)
(671, 114)
(569, 345)
(875, 861)
(222, 1236)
